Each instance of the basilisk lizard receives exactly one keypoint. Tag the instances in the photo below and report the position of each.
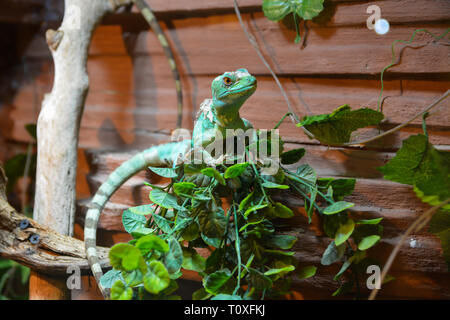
(216, 115)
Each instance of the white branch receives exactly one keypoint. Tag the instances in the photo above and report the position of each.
(59, 120)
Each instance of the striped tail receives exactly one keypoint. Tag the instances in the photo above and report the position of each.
(157, 156)
(151, 19)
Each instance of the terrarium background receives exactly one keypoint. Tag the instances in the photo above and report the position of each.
(132, 104)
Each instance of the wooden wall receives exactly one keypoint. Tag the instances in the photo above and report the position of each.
(132, 105)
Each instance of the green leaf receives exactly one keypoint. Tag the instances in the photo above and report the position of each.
(157, 277)
(193, 261)
(419, 164)
(344, 288)
(133, 278)
(183, 187)
(214, 242)
(337, 207)
(307, 272)
(213, 173)
(223, 296)
(164, 199)
(235, 170)
(276, 10)
(165, 172)
(368, 242)
(273, 185)
(120, 292)
(132, 221)
(344, 232)
(152, 242)
(342, 188)
(282, 241)
(332, 254)
(191, 232)
(365, 230)
(212, 224)
(215, 281)
(440, 226)
(259, 280)
(406, 163)
(306, 174)
(281, 211)
(124, 256)
(292, 156)
(109, 278)
(201, 294)
(250, 224)
(174, 257)
(336, 128)
(140, 232)
(369, 221)
(359, 255)
(274, 271)
(141, 210)
(255, 208)
(308, 9)
(309, 204)
(162, 223)
(245, 201)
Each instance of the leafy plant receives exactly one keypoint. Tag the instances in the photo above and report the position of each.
(235, 213)
(336, 127)
(276, 10)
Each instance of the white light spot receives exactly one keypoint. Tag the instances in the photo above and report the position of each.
(413, 243)
(381, 26)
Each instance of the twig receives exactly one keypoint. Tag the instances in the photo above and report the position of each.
(415, 226)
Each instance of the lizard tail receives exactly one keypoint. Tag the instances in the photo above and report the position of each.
(157, 156)
(151, 19)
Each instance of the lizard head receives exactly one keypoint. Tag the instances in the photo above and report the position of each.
(232, 89)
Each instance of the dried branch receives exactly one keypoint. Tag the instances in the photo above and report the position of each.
(38, 247)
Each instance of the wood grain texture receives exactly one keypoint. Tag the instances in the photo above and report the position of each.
(336, 12)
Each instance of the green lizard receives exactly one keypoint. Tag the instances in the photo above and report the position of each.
(148, 15)
(216, 115)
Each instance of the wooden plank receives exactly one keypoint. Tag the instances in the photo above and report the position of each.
(372, 194)
(130, 102)
(336, 12)
(325, 52)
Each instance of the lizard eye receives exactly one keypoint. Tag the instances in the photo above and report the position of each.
(227, 81)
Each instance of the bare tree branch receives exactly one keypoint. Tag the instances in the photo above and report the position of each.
(38, 247)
